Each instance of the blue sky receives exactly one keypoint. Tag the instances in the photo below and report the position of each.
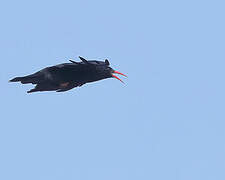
(166, 122)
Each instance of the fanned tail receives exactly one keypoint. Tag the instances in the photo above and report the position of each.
(33, 78)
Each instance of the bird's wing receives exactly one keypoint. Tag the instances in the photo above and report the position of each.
(56, 75)
(62, 73)
(68, 86)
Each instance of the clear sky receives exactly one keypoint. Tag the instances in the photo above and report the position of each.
(165, 123)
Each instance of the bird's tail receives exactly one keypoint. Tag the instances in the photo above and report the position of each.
(33, 78)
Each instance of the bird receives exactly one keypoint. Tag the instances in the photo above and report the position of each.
(66, 76)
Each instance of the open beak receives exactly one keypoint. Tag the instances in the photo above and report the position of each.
(117, 72)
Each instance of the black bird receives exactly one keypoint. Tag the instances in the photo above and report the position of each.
(66, 76)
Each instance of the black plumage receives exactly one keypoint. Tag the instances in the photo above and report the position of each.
(66, 76)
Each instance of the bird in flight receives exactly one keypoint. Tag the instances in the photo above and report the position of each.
(66, 76)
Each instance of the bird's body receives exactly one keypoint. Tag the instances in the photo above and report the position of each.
(66, 76)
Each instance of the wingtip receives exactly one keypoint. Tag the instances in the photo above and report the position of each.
(72, 61)
(83, 59)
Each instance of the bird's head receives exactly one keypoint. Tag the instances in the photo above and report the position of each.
(108, 72)
(102, 68)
